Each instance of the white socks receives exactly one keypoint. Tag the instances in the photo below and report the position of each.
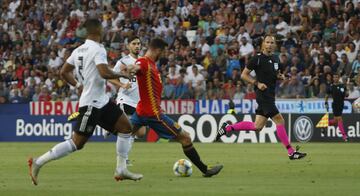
(123, 146)
(58, 151)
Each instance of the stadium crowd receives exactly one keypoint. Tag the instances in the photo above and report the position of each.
(210, 42)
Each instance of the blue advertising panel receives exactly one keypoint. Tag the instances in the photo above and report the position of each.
(39, 128)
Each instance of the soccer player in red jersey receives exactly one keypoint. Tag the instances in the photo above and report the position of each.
(148, 111)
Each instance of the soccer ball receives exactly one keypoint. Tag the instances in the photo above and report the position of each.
(182, 168)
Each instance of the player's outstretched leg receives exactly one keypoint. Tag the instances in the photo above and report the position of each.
(281, 133)
(339, 122)
(332, 122)
(33, 170)
(240, 126)
(123, 146)
(192, 154)
(296, 154)
(342, 130)
(58, 151)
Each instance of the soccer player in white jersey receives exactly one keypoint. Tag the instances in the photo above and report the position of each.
(127, 99)
(95, 107)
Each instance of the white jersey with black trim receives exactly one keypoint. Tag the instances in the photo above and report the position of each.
(127, 96)
(85, 58)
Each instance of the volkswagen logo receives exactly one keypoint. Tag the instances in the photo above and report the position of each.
(303, 129)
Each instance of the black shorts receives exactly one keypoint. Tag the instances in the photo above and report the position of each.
(90, 116)
(129, 110)
(267, 110)
(337, 108)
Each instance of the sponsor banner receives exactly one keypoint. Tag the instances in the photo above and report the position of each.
(58, 108)
(178, 106)
(244, 106)
(202, 128)
(39, 128)
(14, 109)
(294, 106)
(301, 106)
(304, 130)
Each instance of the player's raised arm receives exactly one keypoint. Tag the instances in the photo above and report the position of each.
(116, 82)
(133, 69)
(107, 73)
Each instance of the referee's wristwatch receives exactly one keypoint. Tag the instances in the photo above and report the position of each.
(256, 83)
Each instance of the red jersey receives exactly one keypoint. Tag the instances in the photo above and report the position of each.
(150, 88)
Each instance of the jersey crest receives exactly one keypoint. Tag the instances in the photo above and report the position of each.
(276, 66)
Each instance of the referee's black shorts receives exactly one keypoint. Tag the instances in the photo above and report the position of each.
(337, 108)
(267, 110)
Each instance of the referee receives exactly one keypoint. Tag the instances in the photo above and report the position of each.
(266, 66)
(338, 92)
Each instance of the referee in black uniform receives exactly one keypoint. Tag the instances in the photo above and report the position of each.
(338, 92)
(267, 69)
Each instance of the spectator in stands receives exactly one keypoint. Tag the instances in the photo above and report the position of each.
(221, 59)
(44, 94)
(314, 88)
(169, 89)
(242, 33)
(354, 93)
(229, 89)
(282, 27)
(36, 94)
(356, 65)
(182, 88)
(16, 98)
(312, 36)
(250, 93)
(306, 80)
(73, 95)
(351, 52)
(26, 96)
(339, 51)
(345, 66)
(334, 62)
(212, 68)
(239, 92)
(173, 74)
(197, 82)
(204, 46)
(4, 93)
(293, 88)
(215, 47)
(189, 68)
(246, 50)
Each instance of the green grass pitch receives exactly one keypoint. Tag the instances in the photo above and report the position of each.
(249, 169)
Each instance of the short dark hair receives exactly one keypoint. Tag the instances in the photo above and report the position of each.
(92, 25)
(158, 43)
(132, 38)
